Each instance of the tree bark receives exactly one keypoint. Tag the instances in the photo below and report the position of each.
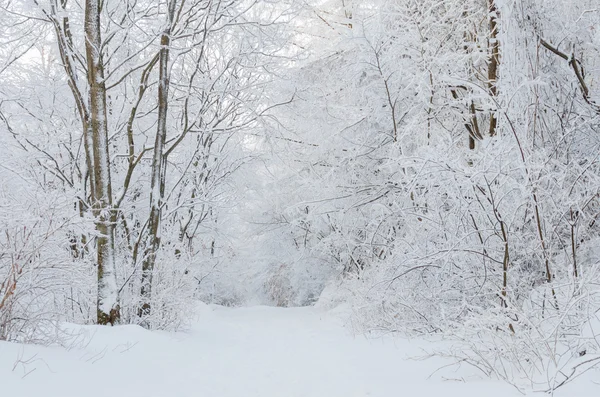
(101, 194)
(159, 162)
(494, 61)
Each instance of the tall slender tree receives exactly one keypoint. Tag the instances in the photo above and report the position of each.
(159, 163)
(108, 308)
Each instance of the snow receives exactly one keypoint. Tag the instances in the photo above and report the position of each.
(257, 351)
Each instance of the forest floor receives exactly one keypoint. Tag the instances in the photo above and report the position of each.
(243, 352)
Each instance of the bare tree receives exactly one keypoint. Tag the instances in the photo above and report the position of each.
(159, 163)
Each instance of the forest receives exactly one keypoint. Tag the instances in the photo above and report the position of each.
(425, 169)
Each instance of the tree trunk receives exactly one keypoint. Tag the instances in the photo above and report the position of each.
(493, 62)
(108, 308)
(159, 162)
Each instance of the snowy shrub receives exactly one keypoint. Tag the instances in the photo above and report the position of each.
(41, 284)
(278, 286)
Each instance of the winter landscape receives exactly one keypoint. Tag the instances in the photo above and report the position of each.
(303, 198)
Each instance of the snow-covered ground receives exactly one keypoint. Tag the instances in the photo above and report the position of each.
(246, 352)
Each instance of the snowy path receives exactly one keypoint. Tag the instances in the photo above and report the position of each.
(251, 352)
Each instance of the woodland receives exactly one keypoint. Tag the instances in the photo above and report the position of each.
(433, 166)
